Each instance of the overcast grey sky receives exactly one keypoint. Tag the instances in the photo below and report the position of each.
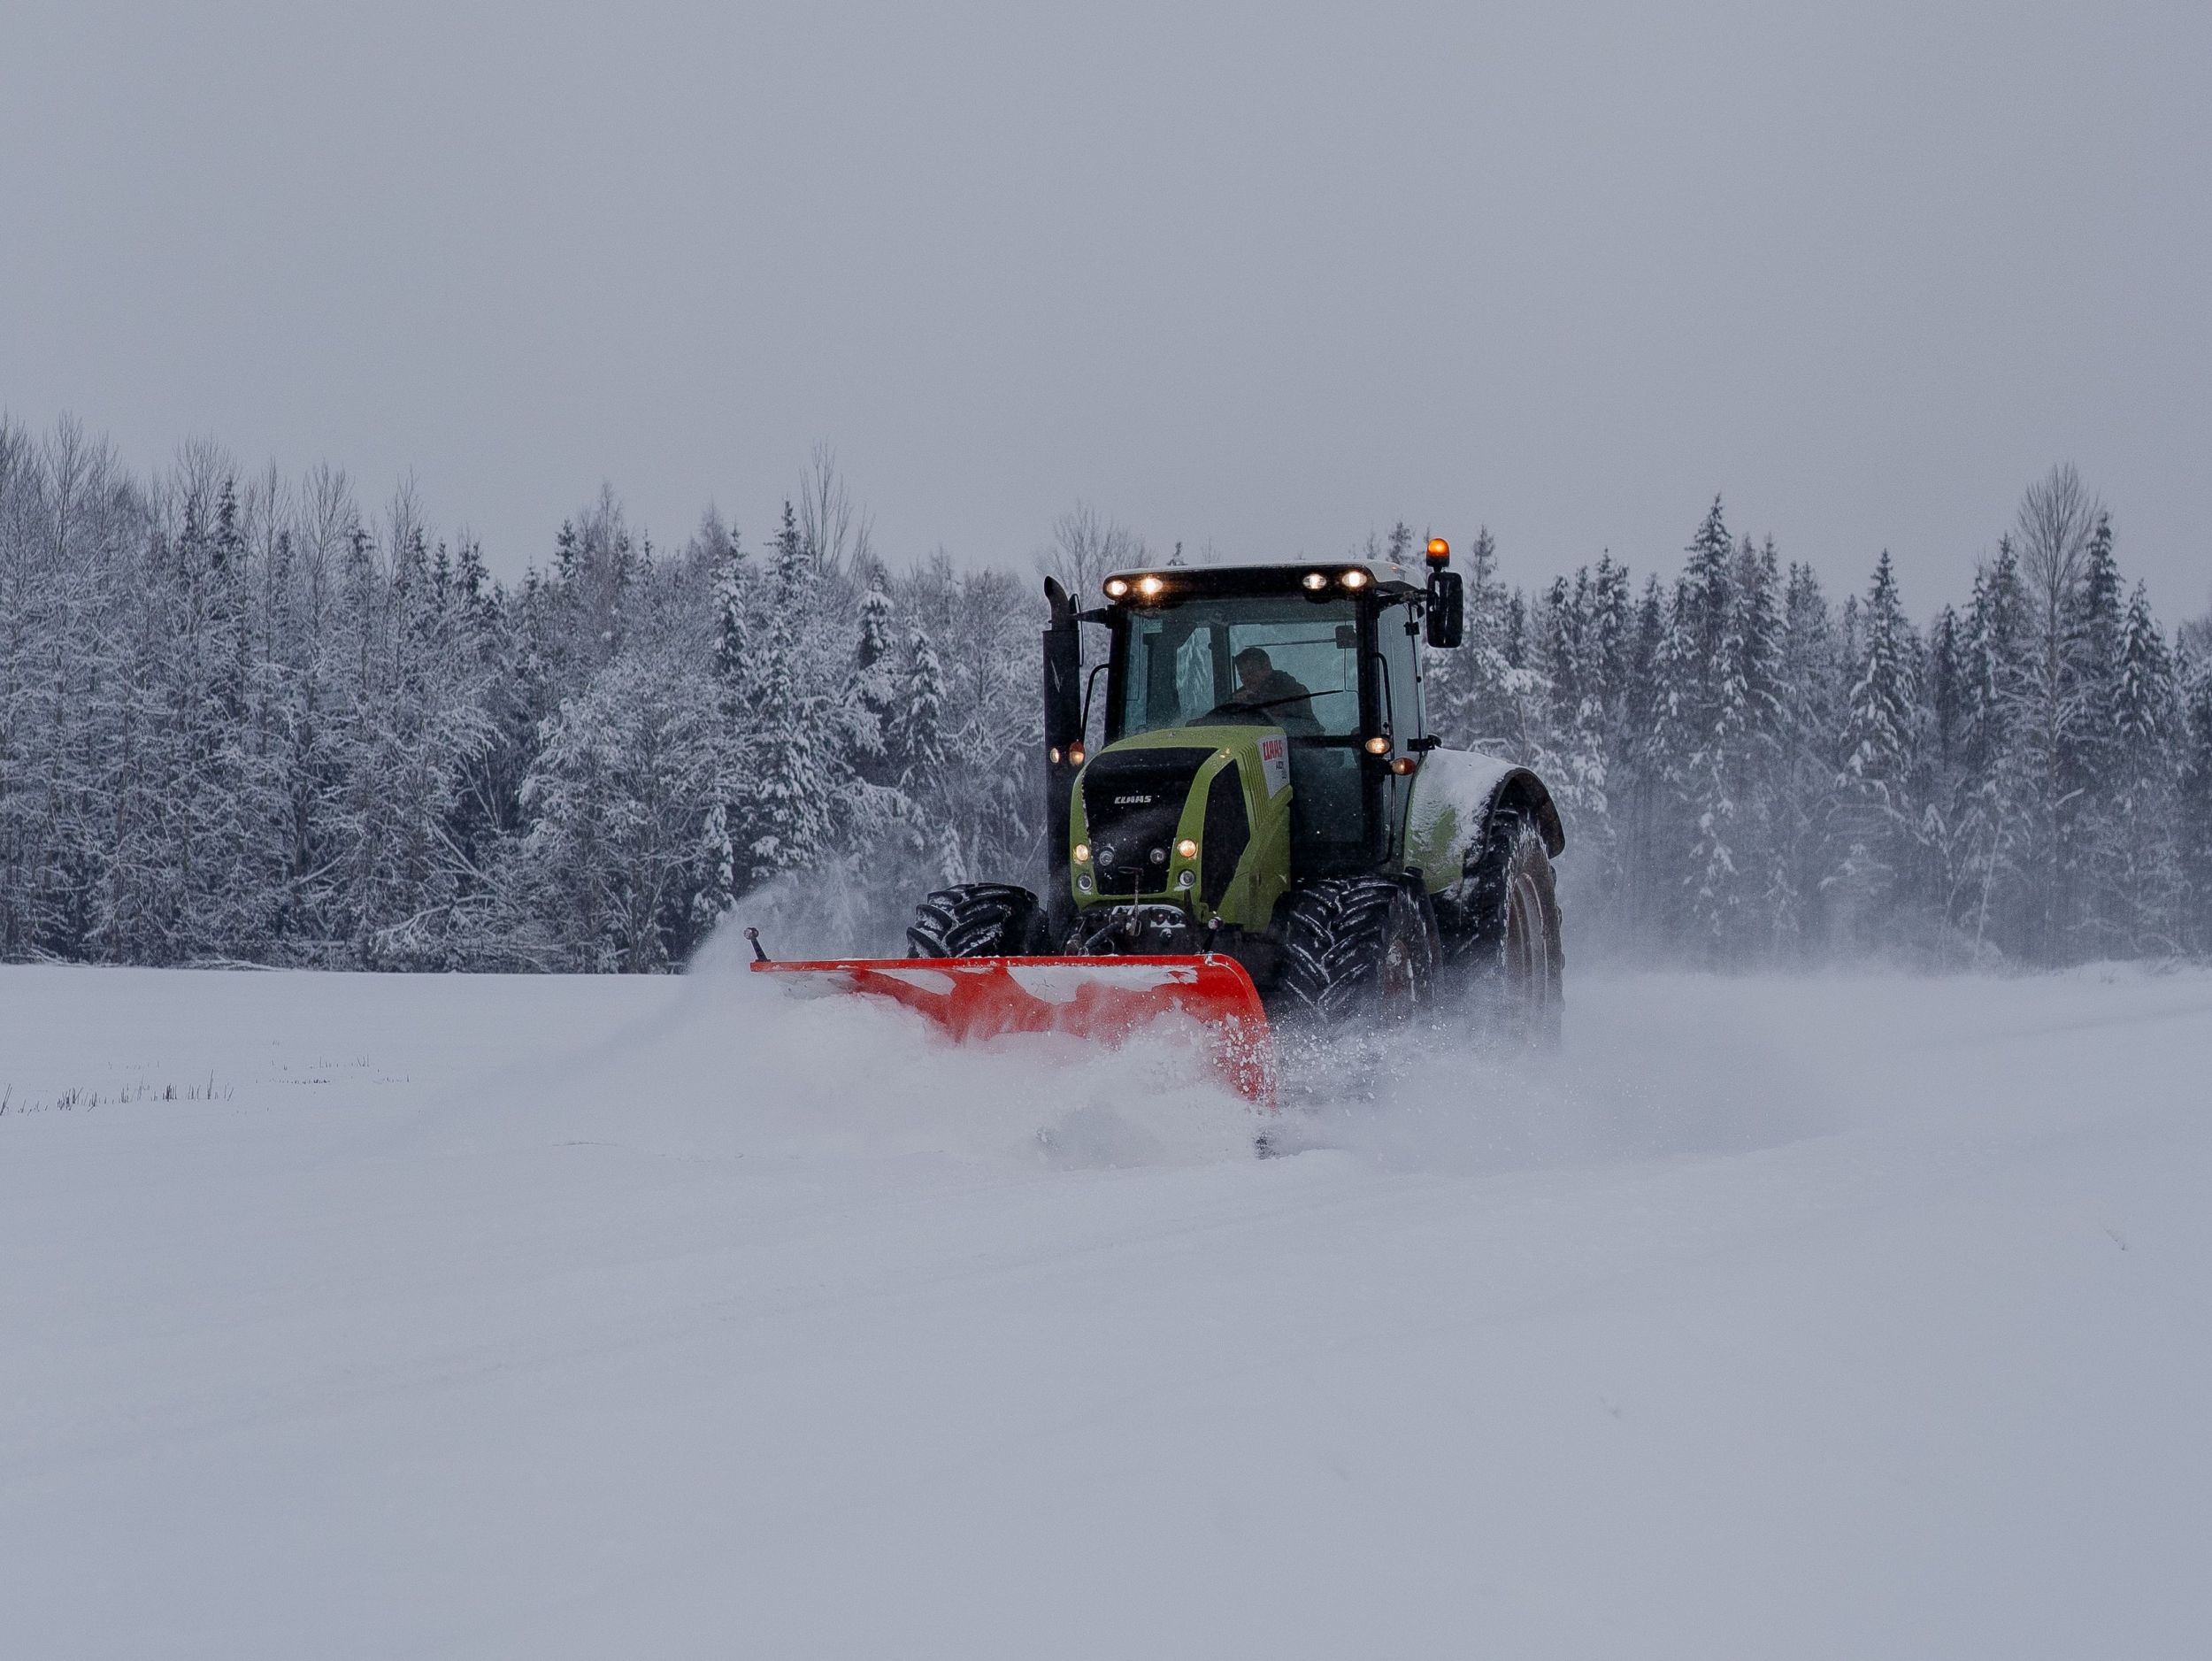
(1260, 276)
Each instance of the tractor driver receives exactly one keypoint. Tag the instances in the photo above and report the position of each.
(1271, 694)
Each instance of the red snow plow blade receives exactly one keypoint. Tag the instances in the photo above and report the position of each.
(1101, 998)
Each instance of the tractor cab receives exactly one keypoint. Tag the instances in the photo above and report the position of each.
(1344, 690)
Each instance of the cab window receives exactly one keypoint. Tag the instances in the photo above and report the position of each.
(1180, 661)
(1401, 670)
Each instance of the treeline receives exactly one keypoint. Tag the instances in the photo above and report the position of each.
(1753, 773)
(242, 719)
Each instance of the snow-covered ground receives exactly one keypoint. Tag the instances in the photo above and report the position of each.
(351, 1315)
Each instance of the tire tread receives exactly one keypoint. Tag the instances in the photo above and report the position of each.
(976, 920)
(1334, 932)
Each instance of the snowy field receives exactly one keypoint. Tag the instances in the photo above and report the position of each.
(349, 1316)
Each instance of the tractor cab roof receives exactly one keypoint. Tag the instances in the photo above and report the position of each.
(1320, 579)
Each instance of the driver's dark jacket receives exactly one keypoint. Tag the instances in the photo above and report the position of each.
(1295, 715)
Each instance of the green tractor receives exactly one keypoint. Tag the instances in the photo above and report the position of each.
(1270, 792)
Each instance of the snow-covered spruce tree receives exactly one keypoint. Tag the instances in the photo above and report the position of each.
(1995, 775)
(1875, 814)
(1698, 736)
(1714, 877)
(918, 727)
(1665, 758)
(1772, 905)
(872, 695)
(1638, 799)
(1520, 727)
(1609, 661)
(930, 843)
(786, 771)
(2146, 884)
(1946, 832)
(2099, 853)
(734, 603)
(731, 579)
(863, 696)
(1812, 728)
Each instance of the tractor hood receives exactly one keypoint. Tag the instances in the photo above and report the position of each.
(1177, 816)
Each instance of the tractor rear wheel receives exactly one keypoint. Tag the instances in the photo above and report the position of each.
(977, 920)
(1365, 946)
(1508, 950)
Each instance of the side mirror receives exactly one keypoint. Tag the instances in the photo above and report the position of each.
(1448, 609)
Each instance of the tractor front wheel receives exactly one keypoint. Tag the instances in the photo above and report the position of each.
(977, 920)
(1363, 946)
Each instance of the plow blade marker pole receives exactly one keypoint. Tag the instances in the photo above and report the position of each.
(1104, 999)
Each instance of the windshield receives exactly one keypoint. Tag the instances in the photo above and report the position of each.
(1280, 659)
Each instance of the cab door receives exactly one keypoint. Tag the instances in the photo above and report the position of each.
(1397, 714)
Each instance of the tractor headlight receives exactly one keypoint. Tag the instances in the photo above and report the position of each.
(1083, 883)
(1116, 586)
(1082, 853)
(1187, 849)
(1151, 588)
(1315, 581)
(1354, 579)
(1185, 879)
(1378, 746)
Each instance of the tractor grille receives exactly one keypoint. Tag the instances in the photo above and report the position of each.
(1132, 800)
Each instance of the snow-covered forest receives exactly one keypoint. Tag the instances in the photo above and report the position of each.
(245, 718)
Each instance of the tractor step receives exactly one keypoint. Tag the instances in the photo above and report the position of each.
(1102, 999)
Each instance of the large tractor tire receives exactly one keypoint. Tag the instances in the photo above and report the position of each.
(1505, 948)
(977, 920)
(1355, 946)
